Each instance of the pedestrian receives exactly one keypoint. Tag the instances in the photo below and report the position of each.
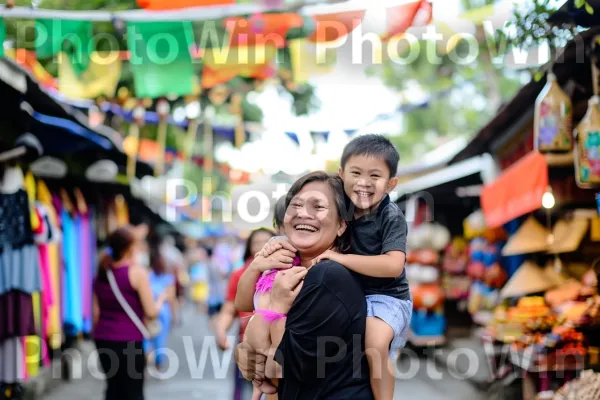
(161, 281)
(122, 298)
(228, 314)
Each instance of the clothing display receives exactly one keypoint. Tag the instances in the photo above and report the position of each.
(48, 246)
(20, 275)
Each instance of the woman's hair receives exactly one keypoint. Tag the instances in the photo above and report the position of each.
(342, 243)
(248, 252)
(119, 243)
(279, 213)
(158, 263)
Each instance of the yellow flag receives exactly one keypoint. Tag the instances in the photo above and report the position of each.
(310, 59)
(100, 79)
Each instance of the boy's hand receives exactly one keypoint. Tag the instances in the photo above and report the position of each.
(327, 255)
(280, 259)
(275, 244)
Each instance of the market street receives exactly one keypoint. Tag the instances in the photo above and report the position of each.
(210, 384)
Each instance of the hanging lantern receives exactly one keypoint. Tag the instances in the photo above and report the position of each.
(587, 149)
(553, 119)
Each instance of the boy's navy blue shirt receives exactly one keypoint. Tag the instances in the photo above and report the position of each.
(381, 231)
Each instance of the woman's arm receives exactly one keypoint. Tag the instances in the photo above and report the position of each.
(141, 283)
(223, 323)
(95, 312)
(171, 295)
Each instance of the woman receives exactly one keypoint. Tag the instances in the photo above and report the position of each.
(161, 282)
(118, 340)
(319, 333)
(228, 314)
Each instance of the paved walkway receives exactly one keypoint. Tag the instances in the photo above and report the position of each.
(193, 346)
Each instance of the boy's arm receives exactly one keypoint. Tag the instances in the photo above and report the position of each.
(388, 265)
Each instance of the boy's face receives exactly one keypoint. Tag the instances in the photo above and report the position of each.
(366, 181)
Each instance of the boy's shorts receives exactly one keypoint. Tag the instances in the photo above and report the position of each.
(394, 312)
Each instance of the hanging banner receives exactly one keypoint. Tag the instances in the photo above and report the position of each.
(310, 59)
(517, 191)
(155, 80)
(160, 42)
(101, 78)
(51, 35)
(262, 29)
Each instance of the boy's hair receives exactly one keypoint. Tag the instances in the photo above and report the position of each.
(372, 145)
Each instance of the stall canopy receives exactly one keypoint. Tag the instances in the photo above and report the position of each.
(61, 130)
(517, 191)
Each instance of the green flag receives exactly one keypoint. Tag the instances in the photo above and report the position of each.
(160, 42)
(2, 36)
(155, 80)
(74, 37)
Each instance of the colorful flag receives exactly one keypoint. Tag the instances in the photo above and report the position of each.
(99, 79)
(51, 35)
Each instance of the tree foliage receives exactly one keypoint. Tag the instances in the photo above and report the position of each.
(461, 97)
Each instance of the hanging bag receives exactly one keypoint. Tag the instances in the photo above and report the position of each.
(149, 330)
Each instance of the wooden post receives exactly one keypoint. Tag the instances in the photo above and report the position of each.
(208, 139)
(163, 109)
(134, 132)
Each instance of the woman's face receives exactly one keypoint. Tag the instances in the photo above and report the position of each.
(258, 241)
(311, 221)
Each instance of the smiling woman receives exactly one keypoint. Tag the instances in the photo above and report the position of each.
(309, 306)
(316, 215)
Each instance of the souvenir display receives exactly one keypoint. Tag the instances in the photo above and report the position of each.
(423, 272)
(587, 148)
(553, 118)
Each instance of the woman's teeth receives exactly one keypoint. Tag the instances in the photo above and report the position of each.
(305, 228)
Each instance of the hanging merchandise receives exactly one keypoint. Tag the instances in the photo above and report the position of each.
(20, 271)
(422, 270)
(587, 149)
(553, 118)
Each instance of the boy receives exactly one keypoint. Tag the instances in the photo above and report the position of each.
(368, 168)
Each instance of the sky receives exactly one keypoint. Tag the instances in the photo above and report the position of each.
(349, 99)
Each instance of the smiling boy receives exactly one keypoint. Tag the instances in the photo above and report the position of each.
(378, 251)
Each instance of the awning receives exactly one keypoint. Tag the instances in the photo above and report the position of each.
(482, 166)
(518, 191)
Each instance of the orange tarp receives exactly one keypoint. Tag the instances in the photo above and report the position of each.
(331, 27)
(402, 17)
(261, 29)
(517, 192)
(176, 4)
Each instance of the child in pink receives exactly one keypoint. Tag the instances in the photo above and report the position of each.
(260, 323)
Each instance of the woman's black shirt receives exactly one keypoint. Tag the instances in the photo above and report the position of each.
(322, 350)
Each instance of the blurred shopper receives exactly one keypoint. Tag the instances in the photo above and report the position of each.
(228, 314)
(161, 281)
(122, 299)
(199, 277)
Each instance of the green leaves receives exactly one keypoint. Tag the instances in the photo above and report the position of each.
(583, 3)
(589, 9)
(538, 76)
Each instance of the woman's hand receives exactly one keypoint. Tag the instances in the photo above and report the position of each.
(280, 259)
(246, 360)
(286, 287)
(275, 244)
